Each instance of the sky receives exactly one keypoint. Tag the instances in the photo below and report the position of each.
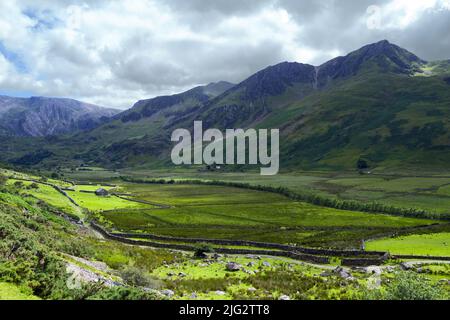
(114, 53)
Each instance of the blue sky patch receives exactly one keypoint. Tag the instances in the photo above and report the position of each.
(14, 58)
(44, 19)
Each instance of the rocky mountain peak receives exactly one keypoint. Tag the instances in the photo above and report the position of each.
(381, 56)
(42, 116)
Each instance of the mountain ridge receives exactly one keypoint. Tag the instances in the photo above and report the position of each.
(44, 116)
(380, 103)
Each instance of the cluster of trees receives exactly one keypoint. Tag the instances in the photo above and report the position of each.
(372, 207)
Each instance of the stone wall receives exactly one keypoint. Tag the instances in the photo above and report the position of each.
(289, 254)
(301, 250)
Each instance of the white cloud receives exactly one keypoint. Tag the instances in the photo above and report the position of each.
(399, 14)
(114, 53)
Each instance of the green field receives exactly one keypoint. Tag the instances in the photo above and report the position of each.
(435, 244)
(232, 213)
(90, 188)
(206, 211)
(12, 292)
(430, 192)
(51, 196)
(93, 202)
(85, 200)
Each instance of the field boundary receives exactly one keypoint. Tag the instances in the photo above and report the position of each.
(305, 250)
(60, 190)
(350, 205)
(319, 256)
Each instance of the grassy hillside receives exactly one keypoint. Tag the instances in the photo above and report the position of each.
(389, 121)
(40, 247)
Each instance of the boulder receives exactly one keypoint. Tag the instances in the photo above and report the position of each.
(373, 270)
(233, 266)
(325, 274)
(405, 266)
(168, 293)
(284, 298)
(339, 271)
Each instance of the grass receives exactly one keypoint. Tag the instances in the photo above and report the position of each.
(207, 278)
(88, 201)
(119, 256)
(435, 244)
(10, 291)
(428, 191)
(93, 202)
(230, 213)
(267, 278)
(51, 196)
(90, 188)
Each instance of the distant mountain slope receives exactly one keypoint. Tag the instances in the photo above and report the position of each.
(40, 116)
(381, 104)
(174, 104)
(140, 130)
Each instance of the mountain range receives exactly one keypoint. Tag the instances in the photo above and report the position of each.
(381, 104)
(40, 116)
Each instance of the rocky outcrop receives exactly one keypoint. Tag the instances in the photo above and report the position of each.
(40, 116)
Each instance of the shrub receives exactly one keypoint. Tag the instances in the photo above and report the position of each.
(407, 286)
(34, 185)
(18, 184)
(122, 293)
(411, 286)
(201, 250)
(362, 164)
(136, 277)
(3, 180)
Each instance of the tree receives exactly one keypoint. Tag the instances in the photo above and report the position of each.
(18, 184)
(34, 185)
(202, 249)
(362, 164)
(3, 180)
